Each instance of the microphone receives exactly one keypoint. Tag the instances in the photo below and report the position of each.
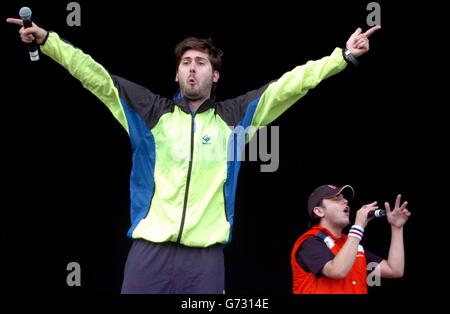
(25, 15)
(377, 213)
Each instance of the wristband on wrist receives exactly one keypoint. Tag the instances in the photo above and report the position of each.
(356, 232)
(349, 57)
(45, 39)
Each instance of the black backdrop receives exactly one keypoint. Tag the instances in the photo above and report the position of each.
(66, 161)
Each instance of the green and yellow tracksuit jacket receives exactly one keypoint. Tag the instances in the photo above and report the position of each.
(184, 177)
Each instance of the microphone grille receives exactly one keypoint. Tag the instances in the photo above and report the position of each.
(25, 13)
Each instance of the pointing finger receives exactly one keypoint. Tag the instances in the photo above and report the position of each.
(372, 30)
(14, 21)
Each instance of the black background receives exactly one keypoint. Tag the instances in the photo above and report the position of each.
(66, 161)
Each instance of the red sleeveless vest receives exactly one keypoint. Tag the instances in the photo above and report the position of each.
(306, 283)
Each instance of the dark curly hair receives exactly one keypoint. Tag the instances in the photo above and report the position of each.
(201, 44)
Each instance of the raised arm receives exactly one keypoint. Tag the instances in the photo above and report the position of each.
(293, 85)
(394, 266)
(91, 74)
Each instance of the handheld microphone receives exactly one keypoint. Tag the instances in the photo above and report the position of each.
(377, 213)
(25, 15)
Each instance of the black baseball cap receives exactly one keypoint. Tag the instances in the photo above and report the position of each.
(325, 191)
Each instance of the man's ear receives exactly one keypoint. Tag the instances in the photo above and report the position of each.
(176, 77)
(318, 211)
(216, 76)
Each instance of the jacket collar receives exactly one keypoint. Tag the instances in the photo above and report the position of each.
(183, 103)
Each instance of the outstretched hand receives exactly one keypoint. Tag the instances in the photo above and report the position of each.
(31, 33)
(358, 43)
(399, 215)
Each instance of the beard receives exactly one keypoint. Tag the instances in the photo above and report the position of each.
(197, 91)
(191, 92)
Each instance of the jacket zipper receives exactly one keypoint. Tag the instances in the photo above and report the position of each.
(188, 180)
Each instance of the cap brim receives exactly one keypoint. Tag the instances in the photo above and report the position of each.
(344, 187)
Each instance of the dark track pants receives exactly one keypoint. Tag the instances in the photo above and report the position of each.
(173, 268)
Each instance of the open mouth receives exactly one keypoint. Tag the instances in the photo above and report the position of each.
(347, 210)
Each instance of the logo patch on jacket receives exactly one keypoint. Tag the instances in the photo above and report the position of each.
(206, 139)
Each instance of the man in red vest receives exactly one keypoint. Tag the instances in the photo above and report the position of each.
(324, 260)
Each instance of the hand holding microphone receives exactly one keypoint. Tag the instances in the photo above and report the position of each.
(363, 215)
(25, 15)
(30, 33)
